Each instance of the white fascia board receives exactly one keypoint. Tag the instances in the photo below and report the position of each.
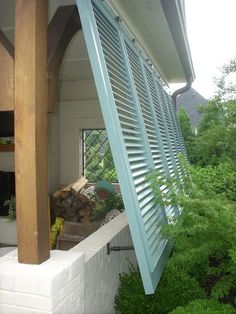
(150, 25)
(175, 15)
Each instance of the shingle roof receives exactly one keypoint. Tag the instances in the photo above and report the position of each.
(191, 100)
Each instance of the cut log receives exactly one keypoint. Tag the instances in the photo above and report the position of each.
(85, 214)
(59, 192)
(67, 205)
(67, 188)
(78, 185)
(82, 198)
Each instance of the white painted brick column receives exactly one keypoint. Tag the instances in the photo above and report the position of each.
(83, 280)
(55, 286)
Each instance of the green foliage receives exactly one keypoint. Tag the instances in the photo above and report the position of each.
(204, 236)
(206, 231)
(131, 298)
(11, 204)
(98, 161)
(226, 88)
(186, 128)
(212, 115)
(175, 288)
(220, 179)
(215, 141)
(204, 307)
(103, 206)
(204, 253)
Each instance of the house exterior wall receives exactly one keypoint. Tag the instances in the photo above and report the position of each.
(102, 271)
(83, 280)
(8, 231)
(79, 109)
(7, 161)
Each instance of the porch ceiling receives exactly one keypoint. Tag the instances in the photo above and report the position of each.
(149, 24)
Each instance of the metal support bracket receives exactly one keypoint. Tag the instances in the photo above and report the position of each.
(118, 248)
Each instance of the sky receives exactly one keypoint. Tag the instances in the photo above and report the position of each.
(211, 28)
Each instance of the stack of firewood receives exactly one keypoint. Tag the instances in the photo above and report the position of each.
(70, 204)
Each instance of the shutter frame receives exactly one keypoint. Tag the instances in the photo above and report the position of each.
(126, 130)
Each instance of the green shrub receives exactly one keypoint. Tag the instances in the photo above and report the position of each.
(220, 180)
(205, 234)
(214, 141)
(131, 298)
(11, 204)
(202, 263)
(175, 288)
(204, 307)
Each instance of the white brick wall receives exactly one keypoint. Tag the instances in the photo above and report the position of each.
(7, 161)
(83, 280)
(74, 116)
(102, 270)
(7, 231)
(78, 108)
(55, 286)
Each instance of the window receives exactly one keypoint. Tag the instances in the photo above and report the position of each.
(97, 158)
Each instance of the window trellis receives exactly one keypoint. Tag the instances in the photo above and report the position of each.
(141, 126)
(97, 158)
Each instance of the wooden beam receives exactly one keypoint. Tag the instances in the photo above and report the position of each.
(7, 74)
(31, 131)
(63, 26)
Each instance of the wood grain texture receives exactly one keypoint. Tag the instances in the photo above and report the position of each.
(63, 26)
(31, 97)
(7, 74)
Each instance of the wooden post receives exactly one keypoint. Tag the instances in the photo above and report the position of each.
(31, 131)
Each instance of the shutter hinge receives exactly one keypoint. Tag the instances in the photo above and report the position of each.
(118, 248)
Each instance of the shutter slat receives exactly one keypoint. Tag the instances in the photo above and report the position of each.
(141, 127)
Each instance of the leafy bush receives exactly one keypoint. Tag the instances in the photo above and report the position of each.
(213, 146)
(205, 234)
(187, 130)
(214, 141)
(131, 298)
(220, 179)
(204, 307)
(103, 206)
(11, 204)
(204, 253)
(175, 288)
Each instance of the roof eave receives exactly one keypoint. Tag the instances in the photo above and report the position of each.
(175, 18)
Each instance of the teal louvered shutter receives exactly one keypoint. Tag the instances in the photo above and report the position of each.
(142, 130)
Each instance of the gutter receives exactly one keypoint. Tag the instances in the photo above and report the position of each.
(176, 20)
(181, 90)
